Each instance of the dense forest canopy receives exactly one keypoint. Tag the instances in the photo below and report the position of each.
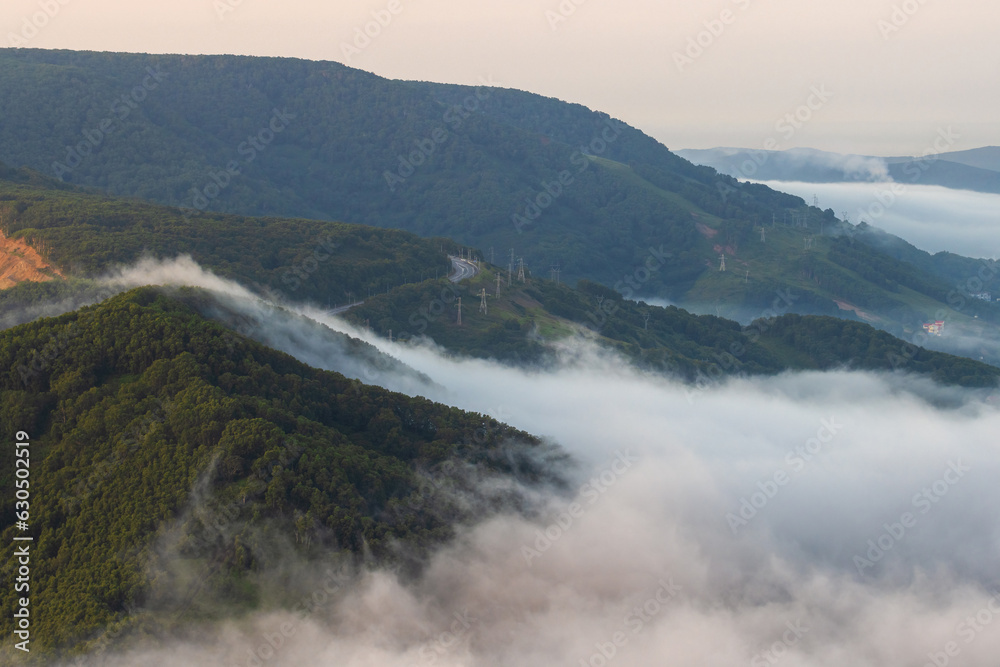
(133, 404)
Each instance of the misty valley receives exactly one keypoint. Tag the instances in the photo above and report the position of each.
(301, 365)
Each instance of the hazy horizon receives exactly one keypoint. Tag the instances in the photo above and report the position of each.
(781, 488)
(692, 76)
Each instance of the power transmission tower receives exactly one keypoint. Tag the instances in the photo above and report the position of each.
(459, 306)
(555, 273)
(722, 265)
(492, 258)
(809, 242)
(520, 270)
(510, 266)
(763, 234)
(483, 308)
(499, 280)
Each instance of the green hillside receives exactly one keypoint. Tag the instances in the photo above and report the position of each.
(518, 325)
(489, 167)
(87, 234)
(436, 160)
(394, 272)
(174, 464)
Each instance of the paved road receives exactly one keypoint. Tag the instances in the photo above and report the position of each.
(462, 269)
(342, 309)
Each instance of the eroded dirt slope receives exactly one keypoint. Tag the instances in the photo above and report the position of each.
(20, 262)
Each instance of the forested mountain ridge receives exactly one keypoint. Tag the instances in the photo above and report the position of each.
(521, 323)
(269, 136)
(978, 173)
(87, 234)
(145, 402)
(400, 278)
(489, 167)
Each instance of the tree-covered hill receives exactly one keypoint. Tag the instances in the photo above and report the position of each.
(270, 136)
(173, 463)
(518, 324)
(489, 167)
(87, 234)
(333, 263)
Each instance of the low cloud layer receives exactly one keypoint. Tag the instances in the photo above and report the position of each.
(803, 164)
(816, 519)
(930, 217)
(854, 167)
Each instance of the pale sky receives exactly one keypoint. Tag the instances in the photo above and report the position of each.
(892, 72)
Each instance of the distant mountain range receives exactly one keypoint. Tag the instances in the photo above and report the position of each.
(401, 279)
(574, 192)
(977, 169)
(186, 441)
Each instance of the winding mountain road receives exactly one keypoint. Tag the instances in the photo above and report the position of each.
(462, 269)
